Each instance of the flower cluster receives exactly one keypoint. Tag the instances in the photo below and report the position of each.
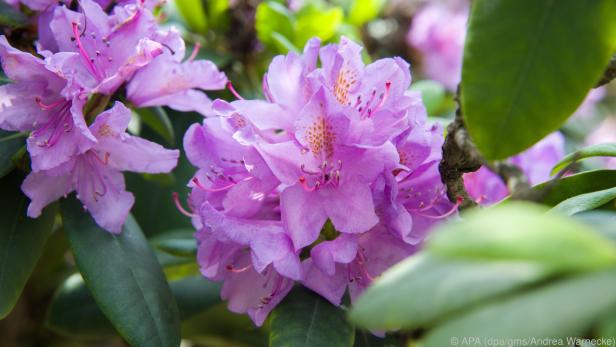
(536, 163)
(328, 181)
(87, 56)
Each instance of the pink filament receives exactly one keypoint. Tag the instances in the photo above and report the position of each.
(178, 205)
(195, 51)
(45, 106)
(233, 91)
(83, 52)
(215, 190)
(448, 213)
(231, 268)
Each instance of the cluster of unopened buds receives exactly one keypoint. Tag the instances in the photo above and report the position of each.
(327, 182)
(86, 55)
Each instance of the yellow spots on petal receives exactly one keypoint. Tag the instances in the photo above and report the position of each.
(320, 137)
(105, 131)
(346, 80)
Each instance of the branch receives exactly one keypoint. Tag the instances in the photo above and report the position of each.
(459, 157)
(609, 74)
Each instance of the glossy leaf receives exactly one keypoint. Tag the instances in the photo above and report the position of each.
(602, 221)
(22, 240)
(305, 319)
(193, 13)
(422, 290)
(599, 150)
(362, 11)
(73, 311)
(528, 65)
(313, 21)
(553, 192)
(157, 119)
(585, 202)
(561, 309)
(523, 231)
(10, 143)
(272, 17)
(177, 242)
(122, 272)
(432, 94)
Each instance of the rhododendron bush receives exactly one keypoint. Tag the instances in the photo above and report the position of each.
(307, 173)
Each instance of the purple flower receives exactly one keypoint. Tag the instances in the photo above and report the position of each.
(95, 174)
(438, 31)
(170, 82)
(97, 52)
(536, 162)
(36, 102)
(337, 164)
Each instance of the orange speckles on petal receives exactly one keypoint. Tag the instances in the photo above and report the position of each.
(320, 137)
(105, 131)
(346, 80)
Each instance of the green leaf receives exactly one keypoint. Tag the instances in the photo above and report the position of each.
(561, 309)
(22, 240)
(522, 231)
(193, 13)
(283, 44)
(601, 221)
(272, 17)
(176, 242)
(585, 202)
(363, 11)
(305, 319)
(599, 150)
(122, 272)
(528, 65)
(157, 119)
(11, 17)
(432, 94)
(73, 311)
(424, 289)
(312, 21)
(10, 143)
(552, 193)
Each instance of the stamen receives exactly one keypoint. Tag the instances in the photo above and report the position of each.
(231, 268)
(453, 210)
(103, 161)
(302, 181)
(178, 205)
(46, 107)
(233, 91)
(195, 51)
(221, 189)
(89, 62)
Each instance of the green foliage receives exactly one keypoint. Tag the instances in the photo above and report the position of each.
(122, 272)
(21, 241)
(362, 11)
(305, 319)
(73, 311)
(283, 31)
(179, 242)
(551, 193)
(423, 290)
(158, 120)
(433, 95)
(599, 150)
(193, 13)
(528, 65)
(11, 17)
(565, 308)
(524, 232)
(483, 276)
(585, 202)
(10, 143)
